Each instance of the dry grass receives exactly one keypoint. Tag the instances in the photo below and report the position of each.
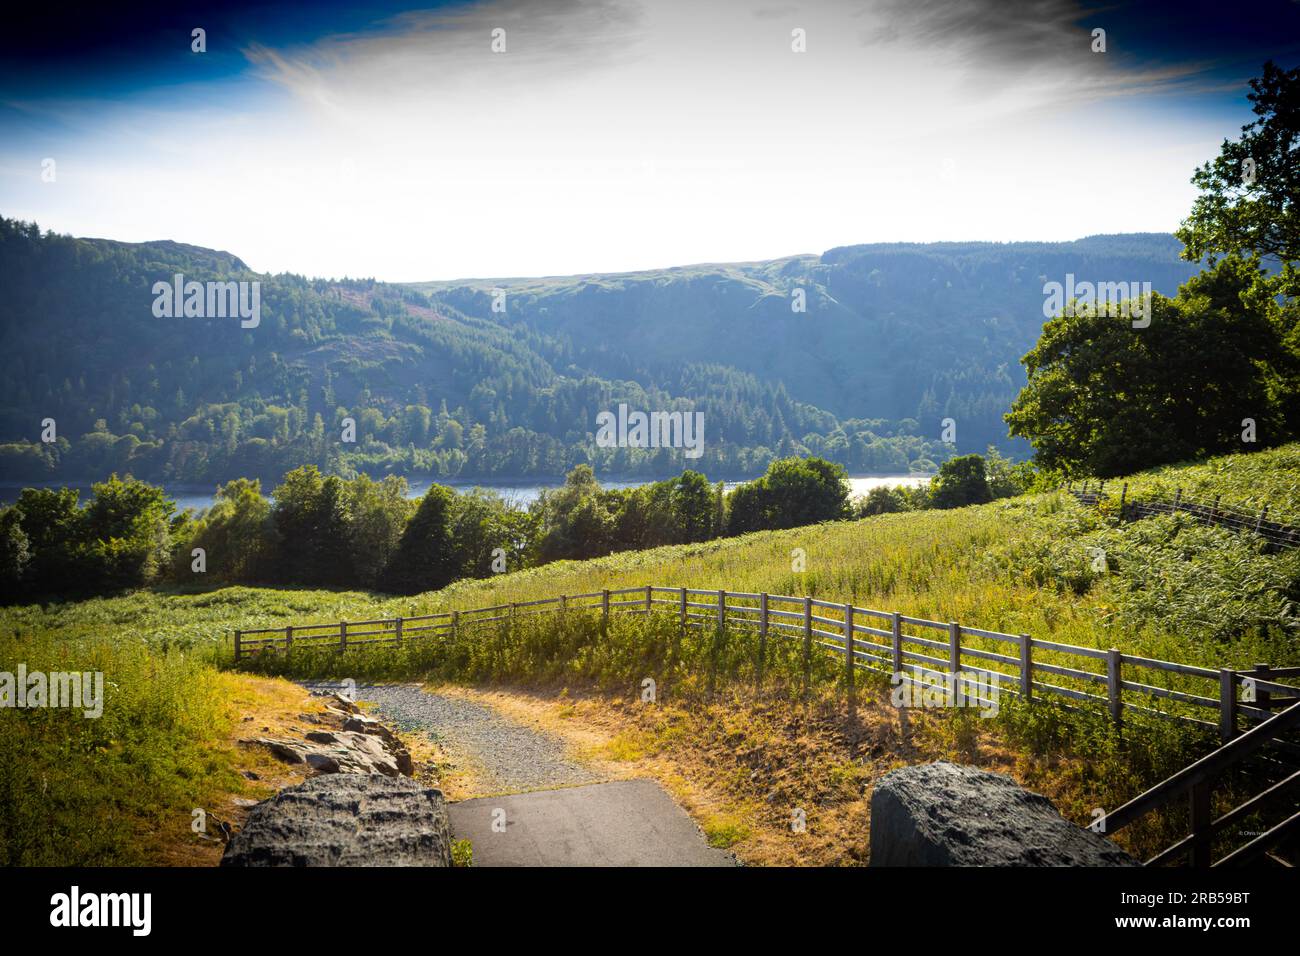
(742, 766)
(262, 707)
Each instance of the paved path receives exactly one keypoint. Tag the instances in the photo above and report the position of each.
(623, 823)
(583, 823)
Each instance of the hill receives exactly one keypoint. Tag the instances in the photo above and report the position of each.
(894, 339)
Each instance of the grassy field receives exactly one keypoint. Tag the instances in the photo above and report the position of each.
(1250, 482)
(1171, 590)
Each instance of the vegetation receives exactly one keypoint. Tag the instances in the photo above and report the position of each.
(988, 544)
(440, 384)
(1106, 398)
(1172, 590)
(328, 531)
(92, 792)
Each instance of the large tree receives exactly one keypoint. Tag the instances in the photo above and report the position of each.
(1216, 368)
(1106, 399)
(793, 492)
(425, 559)
(1249, 202)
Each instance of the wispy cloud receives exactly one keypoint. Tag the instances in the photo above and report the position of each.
(420, 52)
(1044, 43)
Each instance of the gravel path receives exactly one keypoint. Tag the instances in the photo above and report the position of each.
(512, 756)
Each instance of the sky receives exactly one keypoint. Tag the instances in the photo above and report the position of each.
(392, 141)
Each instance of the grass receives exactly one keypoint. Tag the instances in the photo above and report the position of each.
(723, 831)
(91, 791)
(119, 789)
(1249, 481)
(462, 853)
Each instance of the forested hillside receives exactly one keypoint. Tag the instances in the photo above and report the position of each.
(894, 339)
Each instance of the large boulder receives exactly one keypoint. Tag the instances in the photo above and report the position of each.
(346, 820)
(942, 814)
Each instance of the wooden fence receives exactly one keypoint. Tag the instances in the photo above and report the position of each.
(1213, 513)
(919, 650)
(1195, 783)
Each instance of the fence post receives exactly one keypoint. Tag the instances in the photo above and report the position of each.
(1199, 799)
(1123, 499)
(762, 638)
(722, 609)
(1227, 704)
(1214, 509)
(1260, 522)
(604, 609)
(647, 599)
(1113, 688)
(397, 631)
(1178, 497)
(954, 647)
(1263, 699)
(807, 645)
(455, 626)
(1026, 667)
(681, 631)
(849, 661)
(564, 605)
(239, 644)
(343, 635)
(288, 638)
(896, 645)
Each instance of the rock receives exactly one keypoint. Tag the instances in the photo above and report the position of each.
(361, 724)
(942, 814)
(346, 820)
(290, 751)
(337, 751)
(336, 700)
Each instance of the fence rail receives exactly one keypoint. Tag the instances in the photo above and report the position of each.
(920, 651)
(1253, 709)
(1215, 513)
(1195, 783)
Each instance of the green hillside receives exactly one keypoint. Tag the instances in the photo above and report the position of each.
(441, 384)
(1172, 590)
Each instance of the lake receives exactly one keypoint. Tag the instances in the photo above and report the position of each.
(521, 492)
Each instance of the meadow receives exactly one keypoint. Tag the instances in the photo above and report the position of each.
(74, 790)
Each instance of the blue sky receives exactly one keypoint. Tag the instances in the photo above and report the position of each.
(391, 140)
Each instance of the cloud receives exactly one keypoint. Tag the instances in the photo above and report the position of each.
(1042, 43)
(420, 52)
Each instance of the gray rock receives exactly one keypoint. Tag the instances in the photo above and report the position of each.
(340, 751)
(346, 820)
(361, 724)
(942, 814)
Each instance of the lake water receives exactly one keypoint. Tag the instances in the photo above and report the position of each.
(521, 493)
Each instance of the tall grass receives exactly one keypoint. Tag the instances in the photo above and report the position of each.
(99, 791)
(1249, 481)
(1170, 590)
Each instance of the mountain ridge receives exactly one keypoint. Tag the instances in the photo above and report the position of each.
(895, 338)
